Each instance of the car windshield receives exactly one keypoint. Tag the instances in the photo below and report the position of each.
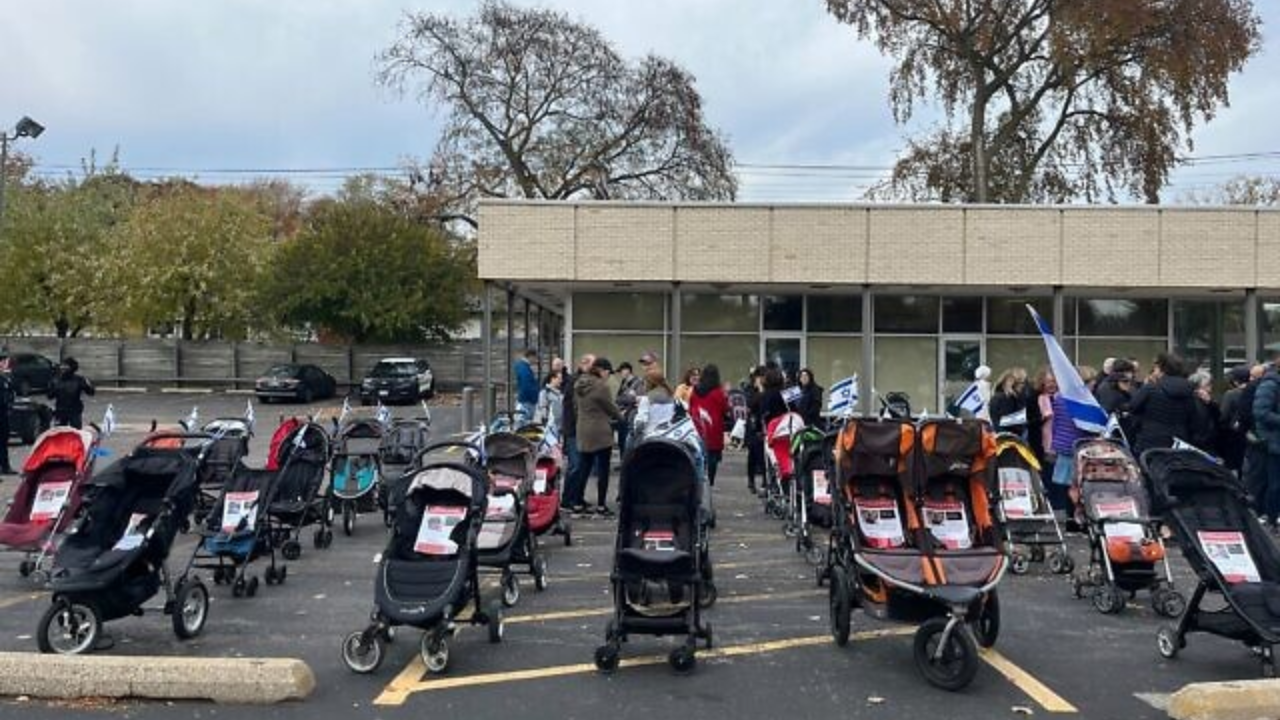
(283, 371)
(394, 370)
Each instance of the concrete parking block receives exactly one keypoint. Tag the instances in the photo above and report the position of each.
(253, 681)
(1237, 700)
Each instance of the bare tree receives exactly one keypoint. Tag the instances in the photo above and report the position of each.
(541, 106)
(1241, 190)
(1053, 99)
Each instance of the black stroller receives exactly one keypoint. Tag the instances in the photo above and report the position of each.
(114, 557)
(813, 451)
(1227, 548)
(506, 543)
(661, 548)
(299, 460)
(229, 447)
(428, 573)
(401, 444)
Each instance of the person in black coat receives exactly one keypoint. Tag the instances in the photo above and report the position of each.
(1115, 393)
(1009, 396)
(67, 392)
(755, 433)
(1167, 408)
(810, 404)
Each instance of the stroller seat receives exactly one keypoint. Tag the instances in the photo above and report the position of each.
(419, 579)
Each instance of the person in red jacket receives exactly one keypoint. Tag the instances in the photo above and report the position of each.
(708, 407)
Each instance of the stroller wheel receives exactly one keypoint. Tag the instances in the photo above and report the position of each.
(68, 628)
(510, 589)
(269, 576)
(683, 659)
(1019, 564)
(25, 568)
(191, 609)
(388, 519)
(1108, 599)
(1169, 603)
(607, 658)
(238, 589)
(292, 549)
(435, 652)
(362, 654)
(568, 535)
(986, 629)
(789, 531)
(252, 588)
(281, 573)
(707, 596)
(1061, 563)
(1167, 642)
(348, 519)
(820, 575)
(815, 555)
(496, 624)
(1037, 553)
(841, 606)
(540, 573)
(950, 667)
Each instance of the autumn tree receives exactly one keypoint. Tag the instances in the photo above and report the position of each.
(363, 271)
(1052, 100)
(1255, 190)
(194, 256)
(542, 106)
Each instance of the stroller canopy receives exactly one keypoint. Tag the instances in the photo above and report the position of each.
(61, 445)
(660, 471)
(1174, 473)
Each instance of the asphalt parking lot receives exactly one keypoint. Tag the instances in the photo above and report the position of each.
(773, 656)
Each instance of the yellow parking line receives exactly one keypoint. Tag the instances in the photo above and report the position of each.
(1023, 680)
(601, 612)
(10, 602)
(398, 691)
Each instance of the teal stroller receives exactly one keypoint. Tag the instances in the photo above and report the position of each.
(355, 471)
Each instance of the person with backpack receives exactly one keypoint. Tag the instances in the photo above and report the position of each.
(1232, 435)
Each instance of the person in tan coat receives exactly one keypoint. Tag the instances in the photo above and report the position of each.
(596, 415)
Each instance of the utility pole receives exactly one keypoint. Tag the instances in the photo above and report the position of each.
(26, 127)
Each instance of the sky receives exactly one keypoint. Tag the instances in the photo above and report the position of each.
(195, 88)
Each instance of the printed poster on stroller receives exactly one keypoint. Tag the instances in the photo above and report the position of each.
(50, 497)
(949, 524)
(1229, 552)
(540, 481)
(238, 507)
(1015, 492)
(500, 506)
(436, 528)
(133, 533)
(821, 488)
(1121, 508)
(880, 523)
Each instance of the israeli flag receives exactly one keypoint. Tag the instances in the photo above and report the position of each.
(843, 397)
(383, 415)
(193, 420)
(346, 410)
(109, 421)
(791, 395)
(249, 415)
(971, 399)
(1084, 410)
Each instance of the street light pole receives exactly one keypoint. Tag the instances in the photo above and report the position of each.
(26, 127)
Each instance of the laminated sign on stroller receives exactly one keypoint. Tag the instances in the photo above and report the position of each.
(506, 543)
(114, 557)
(427, 575)
(1029, 523)
(1230, 552)
(545, 515)
(48, 496)
(915, 539)
(660, 563)
(1126, 553)
(238, 530)
(356, 473)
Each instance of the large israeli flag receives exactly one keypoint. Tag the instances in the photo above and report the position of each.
(843, 396)
(1084, 410)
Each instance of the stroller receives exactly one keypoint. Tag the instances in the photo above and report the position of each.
(355, 473)
(740, 413)
(1025, 513)
(238, 530)
(658, 575)
(779, 468)
(548, 475)
(298, 456)
(114, 557)
(915, 539)
(48, 495)
(811, 494)
(230, 446)
(400, 446)
(427, 575)
(1228, 549)
(1126, 553)
(506, 540)
(896, 405)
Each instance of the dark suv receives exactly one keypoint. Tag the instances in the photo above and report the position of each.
(397, 380)
(31, 373)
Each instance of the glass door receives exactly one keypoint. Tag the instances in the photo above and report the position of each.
(960, 358)
(785, 350)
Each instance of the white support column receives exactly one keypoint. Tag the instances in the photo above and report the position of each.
(867, 380)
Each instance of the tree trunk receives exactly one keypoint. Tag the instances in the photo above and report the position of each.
(61, 325)
(978, 138)
(189, 320)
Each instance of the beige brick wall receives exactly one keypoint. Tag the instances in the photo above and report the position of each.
(1110, 247)
(625, 243)
(1012, 247)
(521, 242)
(916, 246)
(819, 245)
(1267, 253)
(1209, 248)
(722, 244)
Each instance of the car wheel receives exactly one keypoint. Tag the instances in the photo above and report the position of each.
(307, 395)
(24, 388)
(30, 428)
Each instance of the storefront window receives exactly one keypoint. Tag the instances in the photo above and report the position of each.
(835, 313)
(1093, 353)
(962, 314)
(834, 358)
(1009, 316)
(1124, 318)
(720, 313)
(1209, 334)
(618, 347)
(783, 312)
(910, 314)
(618, 311)
(1005, 353)
(908, 365)
(1269, 317)
(735, 355)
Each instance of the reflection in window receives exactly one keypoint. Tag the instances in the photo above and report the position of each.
(1009, 316)
(618, 311)
(835, 313)
(720, 313)
(1125, 317)
(784, 312)
(962, 314)
(734, 354)
(907, 314)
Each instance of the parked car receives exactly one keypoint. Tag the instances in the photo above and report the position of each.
(397, 380)
(28, 418)
(30, 373)
(291, 381)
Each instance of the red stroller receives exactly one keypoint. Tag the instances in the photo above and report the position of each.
(48, 496)
(544, 495)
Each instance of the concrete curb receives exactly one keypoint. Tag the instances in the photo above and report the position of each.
(123, 390)
(1236, 700)
(254, 681)
(186, 391)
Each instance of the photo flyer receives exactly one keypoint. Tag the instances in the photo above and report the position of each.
(1230, 554)
(1015, 492)
(880, 523)
(661, 540)
(540, 481)
(436, 528)
(500, 506)
(1120, 508)
(949, 524)
(50, 497)
(821, 488)
(240, 507)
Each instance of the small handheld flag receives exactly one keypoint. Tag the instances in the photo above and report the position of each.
(791, 395)
(383, 415)
(249, 414)
(346, 410)
(109, 421)
(193, 420)
(844, 396)
(971, 399)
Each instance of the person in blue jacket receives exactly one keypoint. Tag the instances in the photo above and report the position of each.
(527, 388)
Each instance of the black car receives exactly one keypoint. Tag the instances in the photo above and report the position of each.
(28, 418)
(30, 373)
(291, 381)
(398, 380)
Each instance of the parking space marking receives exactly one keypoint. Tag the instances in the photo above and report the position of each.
(601, 612)
(409, 681)
(604, 576)
(1024, 681)
(18, 600)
